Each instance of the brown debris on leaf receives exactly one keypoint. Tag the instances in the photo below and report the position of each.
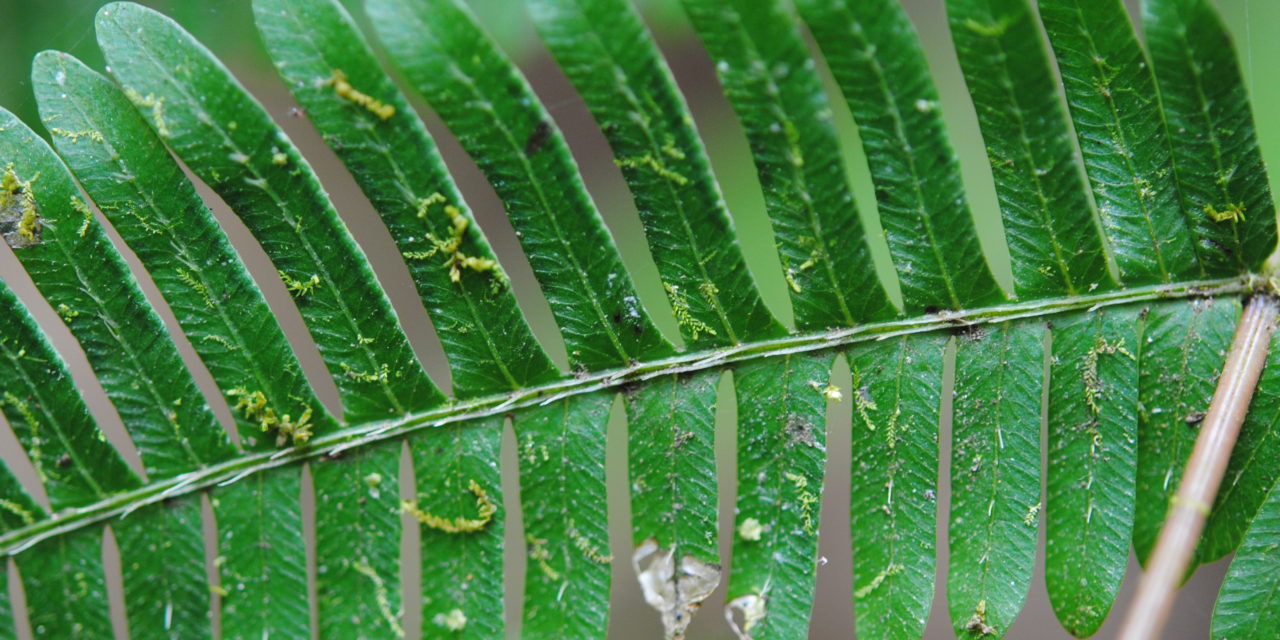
(977, 623)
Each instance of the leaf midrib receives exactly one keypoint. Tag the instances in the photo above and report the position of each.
(777, 464)
(998, 447)
(231, 471)
(891, 466)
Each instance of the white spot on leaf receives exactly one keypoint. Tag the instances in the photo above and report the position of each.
(455, 620)
(750, 529)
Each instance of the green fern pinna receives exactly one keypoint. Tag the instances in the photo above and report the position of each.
(1138, 220)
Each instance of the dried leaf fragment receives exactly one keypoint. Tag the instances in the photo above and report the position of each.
(752, 608)
(675, 590)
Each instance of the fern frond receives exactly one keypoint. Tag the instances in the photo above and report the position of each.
(1136, 211)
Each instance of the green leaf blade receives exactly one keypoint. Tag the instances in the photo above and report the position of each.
(1089, 494)
(605, 50)
(261, 557)
(897, 395)
(484, 100)
(562, 450)
(1181, 353)
(877, 61)
(17, 507)
(1109, 384)
(48, 416)
(786, 118)
(1055, 244)
(1211, 127)
(1252, 470)
(462, 570)
(782, 452)
(995, 471)
(488, 343)
(1116, 112)
(87, 282)
(358, 543)
(7, 629)
(64, 579)
(1246, 606)
(166, 592)
(226, 137)
(132, 178)
(674, 518)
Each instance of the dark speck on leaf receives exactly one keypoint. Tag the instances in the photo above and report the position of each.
(538, 138)
(799, 431)
(971, 332)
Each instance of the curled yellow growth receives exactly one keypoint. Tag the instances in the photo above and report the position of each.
(456, 260)
(17, 200)
(253, 406)
(457, 525)
(348, 92)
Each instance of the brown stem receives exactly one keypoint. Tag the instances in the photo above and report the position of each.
(1200, 480)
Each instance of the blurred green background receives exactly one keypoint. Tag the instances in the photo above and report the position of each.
(28, 26)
